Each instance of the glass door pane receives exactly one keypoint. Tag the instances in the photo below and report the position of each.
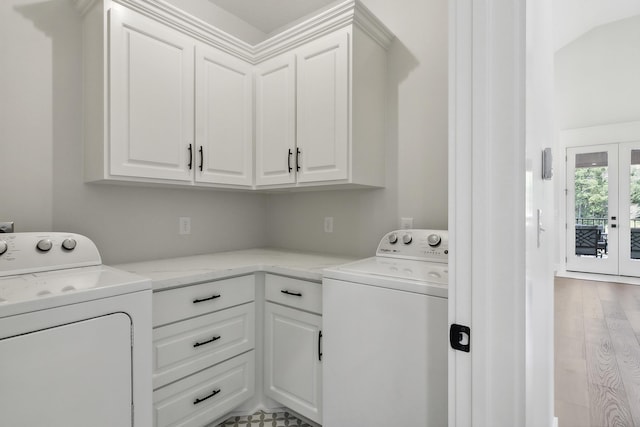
(629, 227)
(591, 205)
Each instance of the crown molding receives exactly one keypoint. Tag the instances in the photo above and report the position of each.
(349, 12)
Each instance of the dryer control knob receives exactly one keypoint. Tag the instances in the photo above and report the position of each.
(393, 238)
(3, 247)
(44, 245)
(434, 240)
(69, 244)
(406, 239)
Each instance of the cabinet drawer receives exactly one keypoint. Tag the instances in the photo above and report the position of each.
(183, 348)
(295, 293)
(190, 301)
(207, 395)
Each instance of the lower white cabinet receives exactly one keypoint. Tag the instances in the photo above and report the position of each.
(206, 395)
(203, 351)
(293, 351)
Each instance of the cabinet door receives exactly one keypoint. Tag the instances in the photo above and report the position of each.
(151, 98)
(276, 121)
(323, 108)
(224, 120)
(293, 370)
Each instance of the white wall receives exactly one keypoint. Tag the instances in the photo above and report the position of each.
(416, 153)
(596, 84)
(41, 183)
(597, 77)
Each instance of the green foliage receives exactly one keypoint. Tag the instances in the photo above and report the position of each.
(592, 189)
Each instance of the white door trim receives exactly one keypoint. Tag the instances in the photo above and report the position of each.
(489, 173)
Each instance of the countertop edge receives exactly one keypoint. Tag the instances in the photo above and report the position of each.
(183, 271)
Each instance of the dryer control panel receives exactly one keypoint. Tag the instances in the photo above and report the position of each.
(22, 253)
(418, 244)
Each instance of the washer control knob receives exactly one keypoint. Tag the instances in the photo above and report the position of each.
(44, 245)
(3, 247)
(69, 244)
(434, 240)
(406, 239)
(393, 238)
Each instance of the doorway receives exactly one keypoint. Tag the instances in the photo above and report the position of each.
(603, 209)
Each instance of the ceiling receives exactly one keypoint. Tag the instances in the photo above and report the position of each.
(573, 18)
(269, 15)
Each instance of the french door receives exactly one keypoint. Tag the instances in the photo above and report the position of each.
(603, 209)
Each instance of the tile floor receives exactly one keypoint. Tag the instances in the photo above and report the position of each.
(263, 419)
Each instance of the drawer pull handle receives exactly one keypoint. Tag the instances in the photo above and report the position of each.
(195, 301)
(198, 344)
(213, 393)
(320, 346)
(295, 294)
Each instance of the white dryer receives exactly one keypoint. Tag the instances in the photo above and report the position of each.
(385, 337)
(75, 336)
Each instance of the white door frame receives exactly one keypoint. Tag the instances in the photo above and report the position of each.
(602, 265)
(494, 168)
(586, 136)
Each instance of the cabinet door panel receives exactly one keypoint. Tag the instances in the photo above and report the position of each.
(323, 108)
(275, 121)
(151, 102)
(293, 371)
(224, 115)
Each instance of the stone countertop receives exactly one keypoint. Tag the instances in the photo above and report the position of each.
(173, 272)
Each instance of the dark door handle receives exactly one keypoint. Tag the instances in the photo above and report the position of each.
(213, 393)
(320, 346)
(295, 294)
(213, 339)
(190, 157)
(613, 218)
(196, 301)
(613, 226)
(297, 159)
(289, 160)
(201, 158)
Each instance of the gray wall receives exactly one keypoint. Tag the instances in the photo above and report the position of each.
(41, 183)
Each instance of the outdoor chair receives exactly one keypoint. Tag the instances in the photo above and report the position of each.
(635, 243)
(587, 237)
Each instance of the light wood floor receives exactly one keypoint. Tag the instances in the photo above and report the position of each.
(597, 354)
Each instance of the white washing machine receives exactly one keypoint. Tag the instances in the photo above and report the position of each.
(75, 336)
(385, 337)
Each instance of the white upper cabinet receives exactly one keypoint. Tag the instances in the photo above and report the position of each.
(339, 81)
(151, 96)
(276, 121)
(224, 118)
(323, 109)
(171, 100)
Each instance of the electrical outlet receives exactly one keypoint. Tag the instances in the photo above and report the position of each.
(328, 224)
(406, 223)
(184, 225)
